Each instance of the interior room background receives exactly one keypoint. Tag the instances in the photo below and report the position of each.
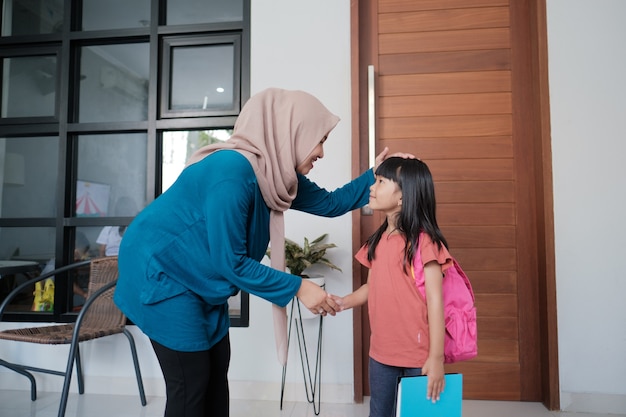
(306, 45)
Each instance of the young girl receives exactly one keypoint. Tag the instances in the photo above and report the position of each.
(407, 332)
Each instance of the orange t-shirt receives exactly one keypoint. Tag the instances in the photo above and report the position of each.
(397, 312)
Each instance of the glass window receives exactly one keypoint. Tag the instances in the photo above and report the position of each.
(27, 243)
(114, 83)
(108, 240)
(203, 77)
(32, 262)
(191, 88)
(29, 86)
(102, 102)
(178, 147)
(184, 12)
(84, 247)
(29, 177)
(115, 14)
(27, 250)
(111, 175)
(31, 17)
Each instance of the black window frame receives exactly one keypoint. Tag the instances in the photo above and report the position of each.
(64, 124)
(169, 43)
(25, 51)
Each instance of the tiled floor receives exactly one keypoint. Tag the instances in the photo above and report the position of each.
(18, 404)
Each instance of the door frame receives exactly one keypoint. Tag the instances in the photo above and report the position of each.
(534, 156)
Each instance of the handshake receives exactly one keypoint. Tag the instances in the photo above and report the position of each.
(318, 301)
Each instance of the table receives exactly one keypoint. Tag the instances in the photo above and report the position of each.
(10, 267)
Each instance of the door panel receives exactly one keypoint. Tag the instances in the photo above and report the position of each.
(447, 90)
(445, 105)
(445, 83)
(443, 62)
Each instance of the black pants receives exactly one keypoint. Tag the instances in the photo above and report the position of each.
(196, 383)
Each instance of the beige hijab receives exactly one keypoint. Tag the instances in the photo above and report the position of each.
(276, 130)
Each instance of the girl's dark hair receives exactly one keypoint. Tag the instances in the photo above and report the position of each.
(417, 213)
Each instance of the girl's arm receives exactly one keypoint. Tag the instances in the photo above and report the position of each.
(433, 367)
(355, 299)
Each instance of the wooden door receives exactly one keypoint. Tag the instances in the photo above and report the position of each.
(462, 84)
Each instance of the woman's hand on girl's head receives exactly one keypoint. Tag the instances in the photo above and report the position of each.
(380, 158)
(384, 154)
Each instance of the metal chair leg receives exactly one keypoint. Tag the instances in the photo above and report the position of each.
(133, 350)
(21, 371)
(68, 375)
(79, 371)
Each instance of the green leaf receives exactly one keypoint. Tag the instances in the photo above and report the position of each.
(298, 258)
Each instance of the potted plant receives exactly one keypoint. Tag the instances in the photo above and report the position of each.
(299, 258)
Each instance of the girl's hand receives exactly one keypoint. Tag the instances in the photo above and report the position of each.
(433, 367)
(352, 300)
(340, 302)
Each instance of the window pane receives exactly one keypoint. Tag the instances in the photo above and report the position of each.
(109, 238)
(202, 77)
(31, 17)
(85, 247)
(27, 243)
(32, 247)
(82, 247)
(29, 177)
(111, 173)
(183, 12)
(178, 147)
(115, 14)
(114, 83)
(29, 86)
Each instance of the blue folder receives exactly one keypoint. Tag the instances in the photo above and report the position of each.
(412, 399)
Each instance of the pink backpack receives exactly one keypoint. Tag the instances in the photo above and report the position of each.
(461, 339)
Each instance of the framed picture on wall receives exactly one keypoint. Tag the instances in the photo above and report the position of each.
(92, 199)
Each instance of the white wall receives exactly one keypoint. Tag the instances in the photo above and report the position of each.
(587, 64)
(588, 107)
(306, 47)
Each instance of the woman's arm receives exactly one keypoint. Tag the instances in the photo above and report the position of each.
(314, 199)
(433, 367)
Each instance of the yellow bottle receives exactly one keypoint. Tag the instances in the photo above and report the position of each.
(44, 296)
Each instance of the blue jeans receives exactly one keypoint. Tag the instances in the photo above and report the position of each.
(384, 387)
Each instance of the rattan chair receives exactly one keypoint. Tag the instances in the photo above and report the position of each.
(99, 317)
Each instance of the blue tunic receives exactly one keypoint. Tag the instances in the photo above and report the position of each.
(201, 241)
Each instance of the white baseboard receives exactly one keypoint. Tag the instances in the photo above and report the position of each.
(294, 392)
(155, 387)
(593, 403)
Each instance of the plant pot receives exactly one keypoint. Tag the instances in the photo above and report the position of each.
(305, 313)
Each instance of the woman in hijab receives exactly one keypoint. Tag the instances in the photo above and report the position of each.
(202, 241)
